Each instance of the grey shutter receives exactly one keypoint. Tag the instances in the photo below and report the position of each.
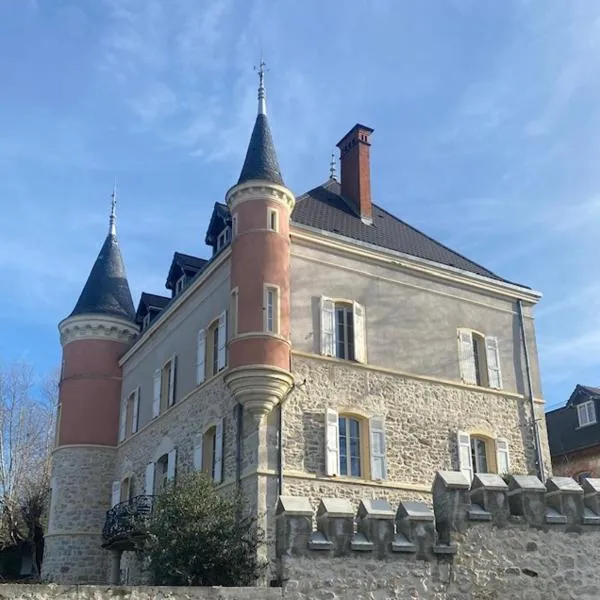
(219, 453)
(492, 354)
(222, 341)
(466, 357)
(465, 462)
(377, 433)
(332, 442)
(156, 394)
(360, 337)
(200, 356)
(327, 326)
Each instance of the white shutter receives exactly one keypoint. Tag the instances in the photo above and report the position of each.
(377, 432)
(465, 461)
(135, 412)
(156, 394)
(219, 453)
(327, 326)
(222, 341)
(172, 376)
(198, 452)
(502, 456)
(123, 421)
(150, 479)
(171, 461)
(200, 356)
(493, 362)
(116, 492)
(332, 443)
(466, 357)
(360, 337)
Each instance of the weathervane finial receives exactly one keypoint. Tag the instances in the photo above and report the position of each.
(112, 229)
(262, 102)
(332, 165)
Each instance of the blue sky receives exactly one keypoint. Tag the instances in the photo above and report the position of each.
(484, 112)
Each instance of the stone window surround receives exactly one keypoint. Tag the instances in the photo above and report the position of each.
(491, 441)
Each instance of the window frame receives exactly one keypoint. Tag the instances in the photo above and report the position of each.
(329, 333)
(224, 238)
(479, 359)
(588, 407)
(146, 321)
(272, 219)
(496, 449)
(271, 291)
(180, 284)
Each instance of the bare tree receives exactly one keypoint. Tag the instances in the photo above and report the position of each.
(26, 438)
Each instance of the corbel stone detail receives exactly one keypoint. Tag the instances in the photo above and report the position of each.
(260, 190)
(101, 327)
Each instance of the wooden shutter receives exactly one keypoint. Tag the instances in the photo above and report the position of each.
(135, 412)
(502, 460)
(327, 326)
(172, 380)
(466, 357)
(200, 356)
(332, 443)
(492, 354)
(156, 394)
(219, 453)
(222, 341)
(150, 479)
(465, 461)
(360, 337)
(123, 421)
(171, 463)
(116, 493)
(377, 432)
(198, 452)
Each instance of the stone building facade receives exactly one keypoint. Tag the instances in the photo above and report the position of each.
(326, 348)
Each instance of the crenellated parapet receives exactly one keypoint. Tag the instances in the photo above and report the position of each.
(413, 529)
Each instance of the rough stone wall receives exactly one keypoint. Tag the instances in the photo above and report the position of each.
(81, 480)
(421, 421)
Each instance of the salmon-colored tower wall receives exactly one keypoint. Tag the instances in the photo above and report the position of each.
(260, 257)
(90, 392)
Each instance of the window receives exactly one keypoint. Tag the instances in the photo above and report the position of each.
(213, 343)
(479, 359)
(180, 284)
(146, 321)
(343, 330)
(126, 489)
(586, 413)
(129, 415)
(482, 454)
(271, 309)
(233, 313)
(164, 387)
(208, 452)
(161, 473)
(223, 238)
(272, 219)
(355, 446)
(234, 226)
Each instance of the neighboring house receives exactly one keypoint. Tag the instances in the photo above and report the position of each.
(574, 434)
(326, 348)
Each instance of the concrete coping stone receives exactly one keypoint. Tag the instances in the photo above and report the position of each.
(453, 480)
(553, 517)
(489, 481)
(477, 513)
(445, 549)
(318, 541)
(414, 511)
(563, 484)
(400, 543)
(526, 483)
(335, 507)
(376, 509)
(591, 486)
(361, 543)
(590, 517)
(294, 505)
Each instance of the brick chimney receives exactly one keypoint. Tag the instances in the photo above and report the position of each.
(356, 170)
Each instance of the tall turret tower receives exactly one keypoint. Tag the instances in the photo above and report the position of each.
(93, 338)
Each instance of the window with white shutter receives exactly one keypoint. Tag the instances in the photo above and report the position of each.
(465, 463)
(360, 337)
(172, 381)
(218, 464)
(135, 411)
(327, 326)
(271, 309)
(156, 394)
(149, 479)
(116, 493)
(492, 354)
(466, 357)
(502, 460)
(171, 464)
(222, 341)
(200, 356)
(332, 455)
(378, 458)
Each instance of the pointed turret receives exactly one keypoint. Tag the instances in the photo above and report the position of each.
(106, 291)
(261, 159)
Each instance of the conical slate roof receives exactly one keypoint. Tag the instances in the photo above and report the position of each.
(261, 160)
(106, 291)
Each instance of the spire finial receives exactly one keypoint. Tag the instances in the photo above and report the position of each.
(332, 165)
(262, 102)
(112, 228)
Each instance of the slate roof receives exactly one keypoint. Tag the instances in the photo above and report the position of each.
(218, 220)
(186, 262)
(106, 291)
(261, 158)
(148, 301)
(564, 433)
(324, 208)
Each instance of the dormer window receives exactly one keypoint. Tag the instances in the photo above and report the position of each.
(180, 284)
(586, 413)
(146, 321)
(224, 238)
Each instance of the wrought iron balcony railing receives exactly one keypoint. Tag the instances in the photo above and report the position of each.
(127, 521)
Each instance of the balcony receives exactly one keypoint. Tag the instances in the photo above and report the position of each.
(126, 523)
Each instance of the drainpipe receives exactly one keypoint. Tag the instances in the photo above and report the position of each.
(536, 434)
(238, 448)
